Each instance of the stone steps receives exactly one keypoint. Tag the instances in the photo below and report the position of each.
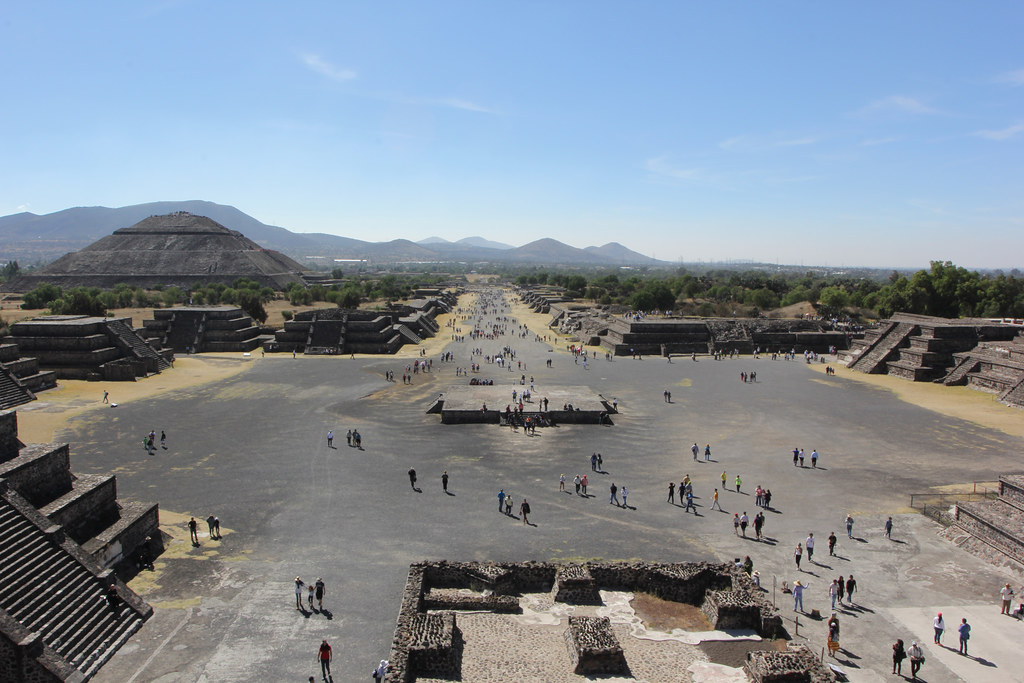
(888, 341)
(49, 591)
(136, 343)
(12, 391)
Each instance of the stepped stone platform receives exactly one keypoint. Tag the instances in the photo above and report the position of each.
(797, 664)
(428, 643)
(330, 331)
(999, 523)
(924, 348)
(651, 336)
(63, 611)
(86, 347)
(467, 403)
(20, 377)
(996, 367)
(195, 329)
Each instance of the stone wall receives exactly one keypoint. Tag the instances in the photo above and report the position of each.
(25, 659)
(967, 517)
(9, 443)
(797, 664)
(41, 473)
(1011, 489)
(723, 591)
(593, 647)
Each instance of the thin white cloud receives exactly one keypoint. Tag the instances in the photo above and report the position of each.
(317, 64)
(731, 142)
(23, 207)
(896, 104)
(457, 103)
(660, 167)
(872, 142)
(796, 142)
(1003, 134)
(1011, 77)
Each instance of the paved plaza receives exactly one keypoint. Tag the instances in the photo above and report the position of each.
(252, 449)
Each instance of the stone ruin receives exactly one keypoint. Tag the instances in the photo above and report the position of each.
(796, 664)
(981, 354)
(593, 647)
(651, 336)
(427, 639)
(63, 610)
(998, 523)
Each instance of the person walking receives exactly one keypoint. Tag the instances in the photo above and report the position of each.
(965, 634)
(193, 530)
(916, 659)
(714, 501)
(849, 526)
(833, 593)
(814, 459)
(671, 492)
(614, 498)
(832, 544)
(381, 671)
(330, 443)
(798, 555)
(593, 462)
(809, 544)
(851, 585)
(888, 528)
(501, 500)
(738, 483)
(600, 463)
(444, 481)
(412, 479)
(695, 450)
(744, 521)
(216, 527)
(758, 525)
(841, 585)
(798, 596)
(576, 483)
(561, 482)
(299, 586)
(209, 525)
(723, 480)
(319, 589)
(325, 655)
(707, 452)
(163, 439)
(348, 438)
(690, 505)
(524, 510)
(625, 495)
(939, 626)
(736, 523)
(898, 655)
(106, 397)
(1006, 593)
(583, 483)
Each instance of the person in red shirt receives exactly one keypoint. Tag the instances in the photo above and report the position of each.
(325, 656)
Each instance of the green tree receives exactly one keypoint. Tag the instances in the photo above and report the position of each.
(41, 296)
(250, 302)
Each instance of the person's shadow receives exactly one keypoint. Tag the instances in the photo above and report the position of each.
(449, 493)
(327, 613)
(417, 489)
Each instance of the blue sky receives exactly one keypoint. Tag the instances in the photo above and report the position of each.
(879, 134)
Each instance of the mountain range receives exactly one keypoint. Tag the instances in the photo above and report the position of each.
(38, 239)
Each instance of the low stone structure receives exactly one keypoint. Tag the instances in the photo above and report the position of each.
(593, 648)
(21, 378)
(63, 611)
(998, 523)
(329, 331)
(421, 645)
(486, 403)
(650, 336)
(797, 664)
(87, 347)
(198, 329)
(993, 366)
(921, 347)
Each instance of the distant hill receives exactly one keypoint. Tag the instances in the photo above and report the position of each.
(35, 239)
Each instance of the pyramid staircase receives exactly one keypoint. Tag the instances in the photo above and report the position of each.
(873, 358)
(134, 345)
(53, 589)
(12, 391)
(58, 621)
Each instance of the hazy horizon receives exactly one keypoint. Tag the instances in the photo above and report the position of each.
(827, 135)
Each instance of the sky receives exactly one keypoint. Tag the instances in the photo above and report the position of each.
(815, 133)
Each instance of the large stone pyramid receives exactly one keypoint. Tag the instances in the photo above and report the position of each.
(176, 249)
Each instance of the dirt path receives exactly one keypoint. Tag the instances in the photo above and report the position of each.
(967, 404)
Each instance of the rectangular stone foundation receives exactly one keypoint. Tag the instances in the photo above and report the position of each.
(575, 585)
(593, 647)
(795, 665)
(431, 651)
